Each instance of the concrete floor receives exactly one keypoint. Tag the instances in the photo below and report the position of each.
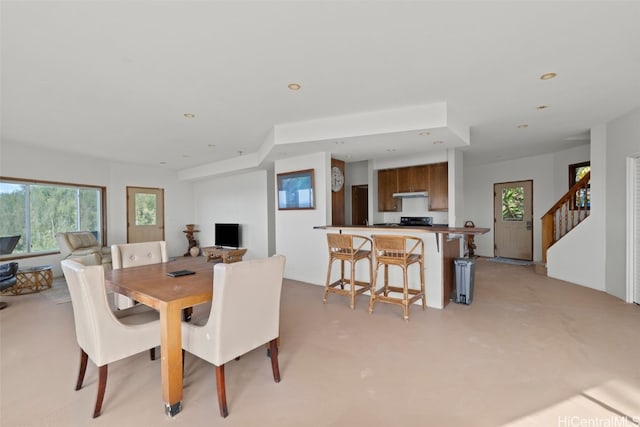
(529, 351)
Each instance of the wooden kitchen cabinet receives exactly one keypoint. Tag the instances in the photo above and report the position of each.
(439, 187)
(414, 178)
(387, 185)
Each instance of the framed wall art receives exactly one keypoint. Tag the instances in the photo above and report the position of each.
(295, 190)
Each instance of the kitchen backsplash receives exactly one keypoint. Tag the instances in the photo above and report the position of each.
(415, 207)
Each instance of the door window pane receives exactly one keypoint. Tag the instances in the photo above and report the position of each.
(513, 204)
(146, 209)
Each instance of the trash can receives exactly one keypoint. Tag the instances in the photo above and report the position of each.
(465, 268)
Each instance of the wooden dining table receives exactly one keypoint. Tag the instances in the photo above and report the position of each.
(150, 285)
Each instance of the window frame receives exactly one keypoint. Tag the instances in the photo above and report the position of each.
(573, 168)
(29, 182)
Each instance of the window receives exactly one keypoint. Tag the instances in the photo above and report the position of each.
(36, 211)
(582, 198)
(513, 204)
(146, 209)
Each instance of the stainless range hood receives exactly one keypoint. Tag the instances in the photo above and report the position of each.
(411, 194)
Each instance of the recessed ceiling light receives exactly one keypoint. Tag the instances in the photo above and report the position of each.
(338, 142)
(541, 107)
(391, 150)
(189, 115)
(548, 76)
(438, 142)
(425, 133)
(522, 126)
(294, 86)
(211, 145)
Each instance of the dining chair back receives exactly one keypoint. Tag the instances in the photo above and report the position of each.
(245, 314)
(105, 336)
(133, 255)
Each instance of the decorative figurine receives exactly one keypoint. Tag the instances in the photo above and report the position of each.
(193, 243)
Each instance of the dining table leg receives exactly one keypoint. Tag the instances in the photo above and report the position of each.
(171, 350)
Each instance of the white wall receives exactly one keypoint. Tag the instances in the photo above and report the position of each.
(622, 141)
(579, 257)
(304, 247)
(178, 199)
(561, 161)
(30, 162)
(595, 255)
(242, 199)
(544, 170)
(456, 188)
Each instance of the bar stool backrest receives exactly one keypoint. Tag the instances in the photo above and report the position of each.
(393, 249)
(347, 244)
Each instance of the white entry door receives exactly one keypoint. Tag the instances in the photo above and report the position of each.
(513, 220)
(145, 214)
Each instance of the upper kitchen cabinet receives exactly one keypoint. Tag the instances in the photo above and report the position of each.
(387, 185)
(414, 178)
(439, 187)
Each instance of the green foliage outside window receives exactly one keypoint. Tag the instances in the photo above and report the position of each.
(37, 212)
(577, 171)
(513, 204)
(146, 209)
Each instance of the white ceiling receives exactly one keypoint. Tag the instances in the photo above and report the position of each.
(114, 79)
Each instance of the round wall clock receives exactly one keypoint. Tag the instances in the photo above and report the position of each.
(337, 179)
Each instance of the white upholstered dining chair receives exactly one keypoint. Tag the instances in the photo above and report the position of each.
(136, 254)
(245, 314)
(105, 336)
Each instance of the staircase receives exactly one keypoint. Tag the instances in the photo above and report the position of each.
(566, 214)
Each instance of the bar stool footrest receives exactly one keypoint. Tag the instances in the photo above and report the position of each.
(360, 287)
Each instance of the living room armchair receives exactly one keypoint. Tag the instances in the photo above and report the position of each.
(83, 244)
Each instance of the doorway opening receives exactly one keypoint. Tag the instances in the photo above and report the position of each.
(359, 204)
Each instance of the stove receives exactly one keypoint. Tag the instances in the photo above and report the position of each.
(426, 221)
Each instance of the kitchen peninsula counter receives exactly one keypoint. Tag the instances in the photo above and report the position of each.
(413, 228)
(442, 245)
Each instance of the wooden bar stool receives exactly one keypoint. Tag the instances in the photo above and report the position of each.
(350, 248)
(401, 251)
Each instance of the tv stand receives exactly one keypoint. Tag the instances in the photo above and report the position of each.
(227, 255)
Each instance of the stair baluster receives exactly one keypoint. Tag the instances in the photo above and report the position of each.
(566, 214)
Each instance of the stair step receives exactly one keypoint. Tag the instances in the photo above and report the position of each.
(540, 268)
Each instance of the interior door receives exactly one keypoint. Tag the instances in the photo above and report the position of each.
(359, 204)
(145, 214)
(513, 220)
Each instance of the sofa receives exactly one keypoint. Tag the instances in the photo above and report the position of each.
(83, 245)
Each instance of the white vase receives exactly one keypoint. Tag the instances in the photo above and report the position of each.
(194, 251)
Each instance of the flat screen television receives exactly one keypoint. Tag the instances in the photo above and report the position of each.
(227, 235)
